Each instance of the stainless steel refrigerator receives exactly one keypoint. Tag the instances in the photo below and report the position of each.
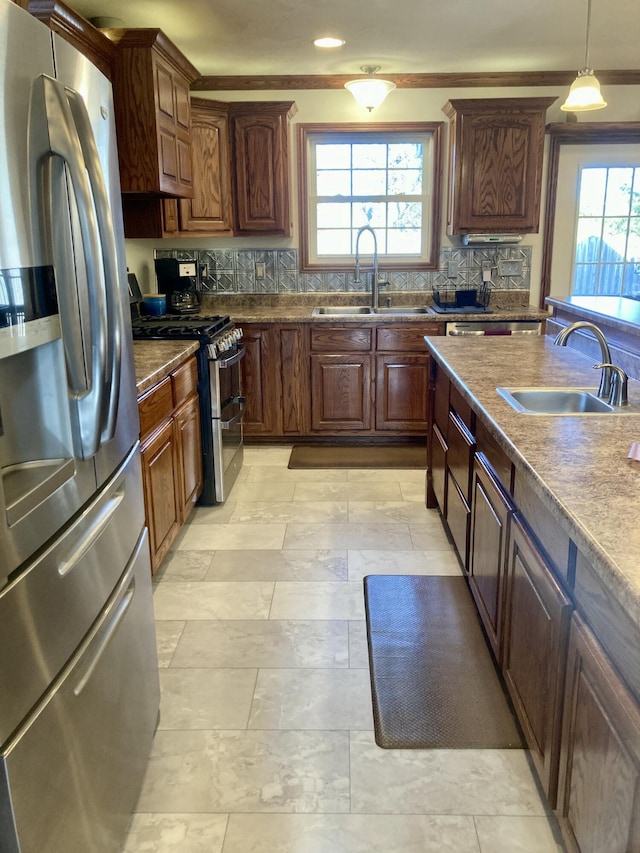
(79, 689)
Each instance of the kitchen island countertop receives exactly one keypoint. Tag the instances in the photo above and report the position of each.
(578, 466)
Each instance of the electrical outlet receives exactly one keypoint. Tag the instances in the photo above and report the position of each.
(452, 269)
(509, 268)
(260, 270)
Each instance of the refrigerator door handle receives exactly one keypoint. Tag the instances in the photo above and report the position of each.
(109, 262)
(51, 113)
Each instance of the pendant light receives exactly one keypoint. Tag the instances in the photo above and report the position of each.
(584, 93)
(370, 91)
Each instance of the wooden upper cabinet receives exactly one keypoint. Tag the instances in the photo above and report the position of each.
(495, 164)
(260, 143)
(210, 211)
(151, 81)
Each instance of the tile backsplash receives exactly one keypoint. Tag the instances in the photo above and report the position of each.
(244, 271)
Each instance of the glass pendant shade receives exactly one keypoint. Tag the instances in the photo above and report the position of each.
(584, 94)
(370, 91)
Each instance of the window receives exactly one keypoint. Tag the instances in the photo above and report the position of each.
(607, 253)
(383, 176)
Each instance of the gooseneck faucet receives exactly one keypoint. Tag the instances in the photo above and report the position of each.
(375, 282)
(604, 390)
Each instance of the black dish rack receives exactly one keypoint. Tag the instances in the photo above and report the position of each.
(450, 297)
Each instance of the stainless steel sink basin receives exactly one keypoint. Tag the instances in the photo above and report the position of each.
(401, 310)
(356, 310)
(561, 401)
(341, 310)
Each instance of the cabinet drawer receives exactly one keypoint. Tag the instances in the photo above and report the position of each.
(461, 445)
(497, 458)
(616, 632)
(155, 406)
(340, 340)
(554, 541)
(185, 382)
(405, 338)
(458, 519)
(441, 398)
(461, 408)
(439, 469)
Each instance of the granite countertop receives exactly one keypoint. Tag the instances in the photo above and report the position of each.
(298, 308)
(577, 465)
(156, 359)
(613, 312)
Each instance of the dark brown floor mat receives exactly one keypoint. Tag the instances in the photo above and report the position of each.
(433, 680)
(365, 456)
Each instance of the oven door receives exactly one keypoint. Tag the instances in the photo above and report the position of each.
(227, 408)
(227, 446)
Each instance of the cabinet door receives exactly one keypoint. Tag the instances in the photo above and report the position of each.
(260, 381)
(295, 380)
(496, 148)
(599, 790)
(402, 393)
(341, 398)
(261, 160)
(173, 129)
(210, 211)
(491, 510)
(458, 519)
(187, 425)
(535, 643)
(160, 477)
(151, 80)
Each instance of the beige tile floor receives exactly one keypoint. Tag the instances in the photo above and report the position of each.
(265, 742)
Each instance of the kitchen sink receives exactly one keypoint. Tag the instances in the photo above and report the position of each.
(401, 310)
(341, 310)
(561, 401)
(356, 310)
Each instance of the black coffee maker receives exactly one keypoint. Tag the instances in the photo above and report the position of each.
(179, 281)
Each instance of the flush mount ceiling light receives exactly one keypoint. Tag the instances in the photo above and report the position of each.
(104, 22)
(584, 93)
(328, 41)
(370, 91)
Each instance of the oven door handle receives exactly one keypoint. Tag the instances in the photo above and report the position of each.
(242, 403)
(232, 359)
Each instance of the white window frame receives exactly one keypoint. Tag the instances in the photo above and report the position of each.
(428, 133)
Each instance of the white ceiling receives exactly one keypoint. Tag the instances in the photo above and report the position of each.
(274, 37)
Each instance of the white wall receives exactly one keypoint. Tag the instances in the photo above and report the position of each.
(402, 105)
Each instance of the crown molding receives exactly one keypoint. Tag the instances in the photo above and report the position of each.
(411, 81)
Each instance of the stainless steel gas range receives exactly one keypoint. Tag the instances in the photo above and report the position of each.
(219, 388)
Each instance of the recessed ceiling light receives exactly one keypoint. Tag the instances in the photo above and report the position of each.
(328, 41)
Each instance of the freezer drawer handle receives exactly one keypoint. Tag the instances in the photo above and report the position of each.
(86, 542)
(241, 401)
(117, 618)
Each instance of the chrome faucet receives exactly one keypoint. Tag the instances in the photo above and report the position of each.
(604, 390)
(375, 280)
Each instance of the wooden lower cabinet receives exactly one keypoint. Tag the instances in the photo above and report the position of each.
(402, 393)
(189, 441)
(260, 379)
(161, 481)
(536, 625)
(171, 454)
(341, 397)
(599, 789)
(303, 379)
(491, 512)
